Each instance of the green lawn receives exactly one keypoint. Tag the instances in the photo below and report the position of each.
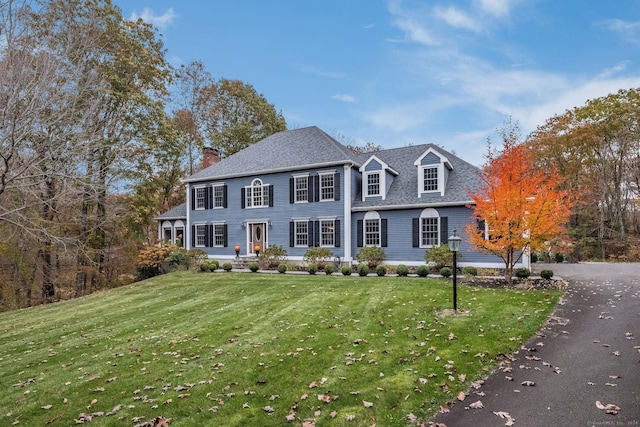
(232, 349)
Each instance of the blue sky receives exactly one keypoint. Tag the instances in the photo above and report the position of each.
(409, 72)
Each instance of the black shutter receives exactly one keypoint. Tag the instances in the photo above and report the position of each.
(193, 199)
(383, 233)
(416, 232)
(292, 190)
(444, 230)
(208, 235)
(271, 196)
(482, 228)
(310, 233)
(292, 234)
(359, 233)
(193, 236)
(242, 196)
(210, 193)
(336, 186)
(224, 236)
(206, 198)
(316, 235)
(224, 196)
(316, 188)
(336, 233)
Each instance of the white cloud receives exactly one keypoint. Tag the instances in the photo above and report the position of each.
(496, 8)
(629, 30)
(312, 69)
(458, 19)
(159, 21)
(343, 98)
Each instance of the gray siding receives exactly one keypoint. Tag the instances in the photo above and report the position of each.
(279, 215)
(430, 159)
(373, 165)
(400, 235)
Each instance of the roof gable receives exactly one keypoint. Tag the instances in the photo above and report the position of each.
(428, 157)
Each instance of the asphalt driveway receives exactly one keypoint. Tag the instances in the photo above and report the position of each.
(588, 352)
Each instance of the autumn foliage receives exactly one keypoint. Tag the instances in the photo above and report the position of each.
(522, 207)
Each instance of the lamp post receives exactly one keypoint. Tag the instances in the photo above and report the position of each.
(454, 245)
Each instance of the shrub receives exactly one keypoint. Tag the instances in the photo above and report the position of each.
(196, 256)
(177, 259)
(381, 270)
(254, 266)
(440, 256)
(227, 266)
(214, 264)
(150, 261)
(402, 270)
(318, 256)
(445, 272)
(522, 272)
(559, 258)
(346, 270)
(328, 269)
(282, 268)
(205, 266)
(363, 270)
(534, 257)
(273, 256)
(546, 274)
(313, 268)
(371, 255)
(470, 271)
(422, 271)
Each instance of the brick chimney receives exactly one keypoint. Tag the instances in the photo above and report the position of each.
(210, 156)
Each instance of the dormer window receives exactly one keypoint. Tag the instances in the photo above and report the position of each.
(433, 168)
(377, 176)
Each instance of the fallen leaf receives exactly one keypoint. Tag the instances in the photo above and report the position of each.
(461, 396)
(528, 383)
(367, 404)
(333, 414)
(476, 405)
(290, 417)
(268, 409)
(47, 407)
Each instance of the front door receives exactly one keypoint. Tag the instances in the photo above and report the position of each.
(257, 236)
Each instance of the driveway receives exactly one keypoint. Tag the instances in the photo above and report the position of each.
(588, 352)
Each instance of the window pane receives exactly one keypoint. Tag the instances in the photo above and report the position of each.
(200, 235)
(302, 189)
(373, 184)
(430, 231)
(200, 198)
(431, 179)
(302, 233)
(326, 187)
(218, 232)
(218, 196)
(327, 234)
(372, 232)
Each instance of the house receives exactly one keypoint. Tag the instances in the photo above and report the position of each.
(302, 188)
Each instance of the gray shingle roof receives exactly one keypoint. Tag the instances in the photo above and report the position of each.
(179, 212)
(404, 189)
(288, 150)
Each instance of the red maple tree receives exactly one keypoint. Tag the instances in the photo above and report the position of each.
(519, 207)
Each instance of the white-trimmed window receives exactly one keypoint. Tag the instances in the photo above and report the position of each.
(301, 188)
(201, 235)
(256, 195)
(301, 230)
(372, 232)
(200, 194)
(218, 234)
(327, 185)
(218, 196)
(429, 228)
(372, 183)
(430, 179)
(327, 232)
